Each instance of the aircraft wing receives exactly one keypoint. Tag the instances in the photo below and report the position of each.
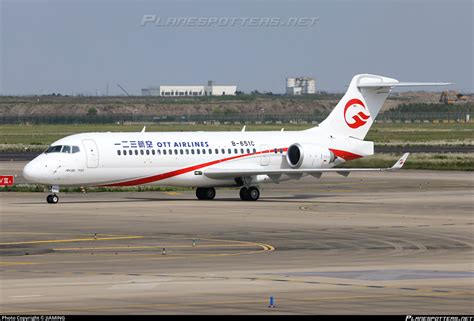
(219, 173)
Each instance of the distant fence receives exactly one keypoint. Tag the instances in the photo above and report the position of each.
(389, 116)
(397, 116)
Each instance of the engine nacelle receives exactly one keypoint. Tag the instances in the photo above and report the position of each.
(309, 156)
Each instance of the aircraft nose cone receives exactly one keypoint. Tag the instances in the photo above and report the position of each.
(31, 172)
(28, 172)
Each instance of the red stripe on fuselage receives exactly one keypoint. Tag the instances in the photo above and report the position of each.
(185, 170)
(344, 154)
(145, 180)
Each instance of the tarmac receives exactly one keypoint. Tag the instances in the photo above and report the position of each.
(378, 243)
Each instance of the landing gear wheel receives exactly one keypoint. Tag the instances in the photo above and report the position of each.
(199, 193)
(210, 193)
(249, 194)
(52, 199)
(253, 194)
(205, 193)
(243, 194)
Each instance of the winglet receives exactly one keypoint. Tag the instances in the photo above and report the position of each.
(143, 130)
(243, 128)
(399, 164)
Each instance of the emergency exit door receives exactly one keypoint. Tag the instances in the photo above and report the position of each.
(265, 160)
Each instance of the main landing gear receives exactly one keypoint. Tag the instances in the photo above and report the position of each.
(249, 194)
(205, 193)
(52, 198)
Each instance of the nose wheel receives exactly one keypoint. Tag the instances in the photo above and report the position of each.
(52, 198)
(249, 194)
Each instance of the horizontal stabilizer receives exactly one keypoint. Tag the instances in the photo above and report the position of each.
(401, 84)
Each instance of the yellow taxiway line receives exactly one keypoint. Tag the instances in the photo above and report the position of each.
(75, 240)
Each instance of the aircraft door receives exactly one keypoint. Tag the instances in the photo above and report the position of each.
(92, 153)
(265, 160)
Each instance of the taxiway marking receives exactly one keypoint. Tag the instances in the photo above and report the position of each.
(75, 240)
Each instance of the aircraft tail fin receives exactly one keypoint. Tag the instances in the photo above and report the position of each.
(356, 111)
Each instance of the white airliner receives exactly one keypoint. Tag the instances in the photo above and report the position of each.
(206, 160)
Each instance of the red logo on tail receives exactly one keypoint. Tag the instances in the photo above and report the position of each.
(360, 118)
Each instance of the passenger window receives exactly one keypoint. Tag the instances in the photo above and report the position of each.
(192, 151)
(187, 151)
(153, 151)
(198, 151)
(181, 151)
(171, 152)
(281, 150)
(217, 151)
(141, 152)
(241, 150)
(147, 152)
(236, 151)
(248, 150)
(203, 151)
(210, 151)
(118, 152)
(276, 151)
(164, 151)
(223, 150)
(75, 149)
(136, 152)
(176, 152)
(158, 152)
(254, 150)
(130, 152)
(229, 151)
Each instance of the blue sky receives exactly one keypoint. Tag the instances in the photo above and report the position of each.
(73, 46)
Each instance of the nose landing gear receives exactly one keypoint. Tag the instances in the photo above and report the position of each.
(53, 198)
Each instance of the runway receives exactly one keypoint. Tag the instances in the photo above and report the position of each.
(390, 243)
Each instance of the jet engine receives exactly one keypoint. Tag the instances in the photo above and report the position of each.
(309, 156)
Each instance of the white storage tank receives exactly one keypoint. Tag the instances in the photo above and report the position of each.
(310, 86)
(290, 82)
(290, 85)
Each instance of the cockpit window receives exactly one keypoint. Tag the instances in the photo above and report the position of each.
(62, 149)
(54, 149)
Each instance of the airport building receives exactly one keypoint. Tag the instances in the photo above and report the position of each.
(300, 86)
(208, 90)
